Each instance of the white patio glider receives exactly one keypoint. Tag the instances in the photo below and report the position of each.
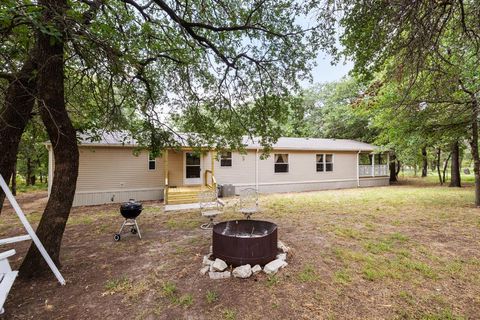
(7, 276)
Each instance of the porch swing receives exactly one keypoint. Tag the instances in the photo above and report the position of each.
(7, 275)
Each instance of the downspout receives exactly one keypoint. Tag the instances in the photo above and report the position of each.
(256, 169)
(358, 168)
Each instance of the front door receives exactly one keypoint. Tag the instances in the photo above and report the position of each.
(193, 168)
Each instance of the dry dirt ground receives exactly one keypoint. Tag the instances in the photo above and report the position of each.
(402, 252)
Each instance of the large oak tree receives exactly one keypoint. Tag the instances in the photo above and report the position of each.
(134, 64)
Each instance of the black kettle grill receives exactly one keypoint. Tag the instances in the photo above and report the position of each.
(130, 211)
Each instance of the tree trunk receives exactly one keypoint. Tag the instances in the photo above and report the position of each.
(474, 146)
(61, 133)
(14, 116)
(29, 171)
(439, 153)
(399, 166)
(415, 170)
(14, 179)
(445, 165)
(392, 167)
(425, 162)
(455, 179)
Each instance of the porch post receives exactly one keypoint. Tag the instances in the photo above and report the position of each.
(165, 172)
(358, 169)
(212, 155)
(373, 164)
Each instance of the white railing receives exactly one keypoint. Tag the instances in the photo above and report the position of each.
(366, 170)
(381, 170)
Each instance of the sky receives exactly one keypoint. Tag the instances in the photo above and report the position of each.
(326, 72)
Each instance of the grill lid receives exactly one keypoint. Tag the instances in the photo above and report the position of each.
(131, 205)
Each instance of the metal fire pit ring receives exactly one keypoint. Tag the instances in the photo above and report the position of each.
(240, 242)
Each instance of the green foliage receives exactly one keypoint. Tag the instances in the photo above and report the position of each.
(336, 114)
(156, 70)
(211, 296)
(308, 274)
(229, 314)
(32, 158)
(420, 64)
(169, 289)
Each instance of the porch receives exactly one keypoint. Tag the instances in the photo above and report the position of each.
(373, 165)
(192, 172)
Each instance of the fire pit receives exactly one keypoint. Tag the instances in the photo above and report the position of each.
(240, 242)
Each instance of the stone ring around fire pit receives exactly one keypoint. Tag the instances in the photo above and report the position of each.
(242, 244)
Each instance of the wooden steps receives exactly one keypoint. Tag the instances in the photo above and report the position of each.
(184, 195)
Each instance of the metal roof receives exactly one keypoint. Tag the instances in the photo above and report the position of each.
(285, 143)
(120, 139)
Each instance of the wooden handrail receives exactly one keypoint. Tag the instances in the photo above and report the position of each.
(213, 185)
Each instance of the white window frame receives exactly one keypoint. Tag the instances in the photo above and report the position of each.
(226, 158)
(287, 163)
(150, 160)
(324, 162)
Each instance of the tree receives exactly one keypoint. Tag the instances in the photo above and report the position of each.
(32, 158)
(418, 43)
(455, 168)
(334, 113)
(149, 60)
(424, 162)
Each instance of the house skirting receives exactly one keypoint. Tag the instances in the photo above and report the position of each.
(374, 181)
(274, 187)
(86, 198)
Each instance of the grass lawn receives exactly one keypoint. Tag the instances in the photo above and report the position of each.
(410, 251)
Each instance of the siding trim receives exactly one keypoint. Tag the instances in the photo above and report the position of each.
(293, 182)
(119, 190)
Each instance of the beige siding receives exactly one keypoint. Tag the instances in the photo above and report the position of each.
(302, 169)
(112, 168)
(115, 174)
(242, 170)
(175, 168)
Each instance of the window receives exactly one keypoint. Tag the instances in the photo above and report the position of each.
(281, 162)
(152, 162)
(226, 159)
(324, 162)
(320, 163)
(329, 162)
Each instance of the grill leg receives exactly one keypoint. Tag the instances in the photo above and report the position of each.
(138, 229)
(123, 225)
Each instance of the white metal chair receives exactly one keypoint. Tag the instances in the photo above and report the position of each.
(210, 207)
(248, 202)
(7, 277)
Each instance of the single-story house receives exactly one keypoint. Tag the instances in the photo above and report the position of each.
(110, 171)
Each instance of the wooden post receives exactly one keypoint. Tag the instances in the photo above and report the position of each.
(165, 168)
(212, 154)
